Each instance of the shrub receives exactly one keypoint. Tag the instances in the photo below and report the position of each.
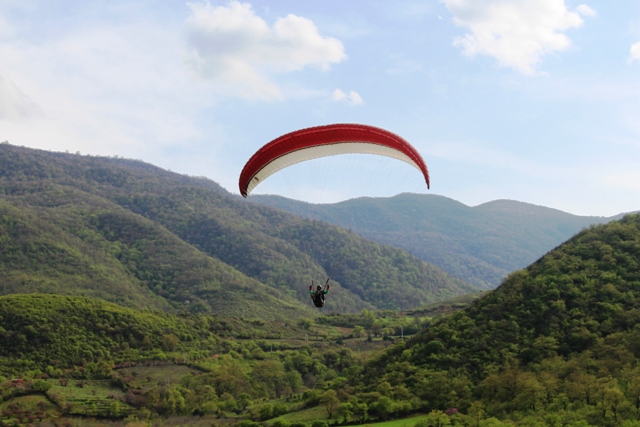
(280, 423)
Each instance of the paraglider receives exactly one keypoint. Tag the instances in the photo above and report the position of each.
(321, 141)
(317, 295)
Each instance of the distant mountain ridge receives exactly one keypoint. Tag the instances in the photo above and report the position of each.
(480, 245)
(131, 233)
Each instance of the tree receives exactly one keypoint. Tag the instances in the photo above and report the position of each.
(265, 412)
(360, 409)
(306, 323)
(170, 342)
(633, 388)
(438, 419)
(583, 385)
(271, 373)
(530, 392)
(114, 409)
(174, 402)
(295, 381)
(476, 412)
(243, 401)
(383, 407)
(376, 328)
(369, 317)
(608, 397)
(281, 423)
(330, 401)
(345, 410)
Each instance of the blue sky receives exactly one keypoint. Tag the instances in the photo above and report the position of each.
(530, 100)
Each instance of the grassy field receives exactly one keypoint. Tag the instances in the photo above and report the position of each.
(305, 415)
(404, 422)
(309, 415)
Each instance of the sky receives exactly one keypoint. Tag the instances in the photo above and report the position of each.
(529, 100)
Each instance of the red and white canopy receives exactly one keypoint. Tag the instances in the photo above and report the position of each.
(322, 141)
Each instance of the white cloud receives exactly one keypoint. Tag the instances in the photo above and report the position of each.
(585, 10)
(100, 89)
(234, 47)
(634, 52)
(515, 32)
(15, 105)
(351, 98)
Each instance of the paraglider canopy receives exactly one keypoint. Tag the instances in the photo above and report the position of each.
(322, 141)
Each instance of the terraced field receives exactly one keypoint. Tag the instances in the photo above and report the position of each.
(89, 398)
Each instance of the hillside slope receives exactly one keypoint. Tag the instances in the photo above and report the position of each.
(129, 232)
(69, 330)
(75, 244)
(556, 344)
(582, 297)
(480, 245)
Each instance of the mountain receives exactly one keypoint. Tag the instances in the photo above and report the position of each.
(578, 295)
(480, 245)
(560, 336)
(132, 233)
(556, 344)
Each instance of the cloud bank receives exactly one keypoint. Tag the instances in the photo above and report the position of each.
(237, 49)
(515, 32)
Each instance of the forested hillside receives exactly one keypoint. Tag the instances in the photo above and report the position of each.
(69, 360)
(80, 361)
(62, 241)
(73, 331)
(480, 245)
(560, 336)
(131, 233)
(555, 344)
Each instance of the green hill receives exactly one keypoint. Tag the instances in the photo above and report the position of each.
(556, 344)
(560, 336)
(67, 360)
(480, 245)
(87, 246)
(131, 233)
(65, 331)
(576, 296)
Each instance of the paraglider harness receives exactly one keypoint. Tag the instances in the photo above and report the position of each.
(318, 295)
